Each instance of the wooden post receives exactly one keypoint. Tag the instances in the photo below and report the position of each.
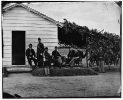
(86, 51)
(69, 48)
(87, 59)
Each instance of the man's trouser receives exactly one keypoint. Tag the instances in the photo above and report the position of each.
(47, 67)
(57, 62)
(72, 62)
(40, 61)
(101, 66)
(47, 71)
(30, 61)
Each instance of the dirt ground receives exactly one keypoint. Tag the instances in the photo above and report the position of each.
(26, 85)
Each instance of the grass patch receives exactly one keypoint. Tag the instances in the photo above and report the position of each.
(64, 72)
(112, 68)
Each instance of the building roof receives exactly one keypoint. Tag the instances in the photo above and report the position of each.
(34, 11)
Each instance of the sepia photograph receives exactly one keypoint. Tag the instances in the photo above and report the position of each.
(61, 49)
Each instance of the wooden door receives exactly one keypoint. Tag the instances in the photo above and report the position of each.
(18, 47)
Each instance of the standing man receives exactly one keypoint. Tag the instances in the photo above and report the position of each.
(47, 62)
(40, 51)
(30, 53)
(101, 60)
(108, 57)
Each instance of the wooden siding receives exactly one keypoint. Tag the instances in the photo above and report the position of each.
(30, 28)
(28, 25)
(6, 63)
(20, 19)
(43, 40)
(6, 55)
(7, 48)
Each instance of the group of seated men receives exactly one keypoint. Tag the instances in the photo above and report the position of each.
(44, 59)
(74, 56)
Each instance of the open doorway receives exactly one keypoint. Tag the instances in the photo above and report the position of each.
(18, 47)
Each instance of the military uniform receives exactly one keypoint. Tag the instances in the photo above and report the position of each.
(71, 54)
(73, 60)
(47, 63)
(101, 61)
(40, 51)
(30, 53)
(56, 58)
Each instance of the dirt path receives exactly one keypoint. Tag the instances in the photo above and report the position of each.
(26, 85)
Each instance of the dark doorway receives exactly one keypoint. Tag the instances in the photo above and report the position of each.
(18, 47)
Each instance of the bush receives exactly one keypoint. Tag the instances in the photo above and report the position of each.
(64, 72)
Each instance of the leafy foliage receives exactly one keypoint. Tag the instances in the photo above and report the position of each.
(72, 34)
(81, 36)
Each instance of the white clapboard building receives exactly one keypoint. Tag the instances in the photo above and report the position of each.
(21, 26)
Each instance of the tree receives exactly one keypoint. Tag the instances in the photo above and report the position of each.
(81, 36)
(72, 34)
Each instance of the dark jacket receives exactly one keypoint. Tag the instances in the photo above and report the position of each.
(48, 60)
(77, 54)
(55, 54)
(30, 53)
(100, 55)
(71, 54)
(40, 49)
(81, 54)
(47, 56)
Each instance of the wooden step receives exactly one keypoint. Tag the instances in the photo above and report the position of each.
(19, 69)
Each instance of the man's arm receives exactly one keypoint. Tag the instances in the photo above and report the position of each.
(27, 52)
(68, 54)
(49, 56)
(59, 54)
(73, 53)
(42, 47)
(34, 52)
(38, 46)
(53, 53)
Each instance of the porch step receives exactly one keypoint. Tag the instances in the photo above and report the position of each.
(19, 69)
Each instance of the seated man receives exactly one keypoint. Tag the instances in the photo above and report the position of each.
(71, 54)
(56, 57)
(76, 56)
(30, 53)
(64, 60)
(47, 62)
(81, 56)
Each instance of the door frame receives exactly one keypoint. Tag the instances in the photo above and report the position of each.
(11, 48)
